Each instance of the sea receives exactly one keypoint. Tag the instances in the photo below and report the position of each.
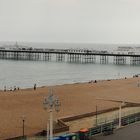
(24, 74)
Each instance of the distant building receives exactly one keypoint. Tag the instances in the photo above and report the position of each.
(127, 50)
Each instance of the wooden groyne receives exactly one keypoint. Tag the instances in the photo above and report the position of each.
(70, 55)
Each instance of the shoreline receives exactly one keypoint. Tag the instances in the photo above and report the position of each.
(72, 83)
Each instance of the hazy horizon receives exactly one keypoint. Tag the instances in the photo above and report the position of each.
(43, 42)
(83, 21)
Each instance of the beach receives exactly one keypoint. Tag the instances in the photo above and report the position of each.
(78, 98)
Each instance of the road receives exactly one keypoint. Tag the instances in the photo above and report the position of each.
(131, 132)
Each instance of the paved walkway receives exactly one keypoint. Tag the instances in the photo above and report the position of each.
(131, 132)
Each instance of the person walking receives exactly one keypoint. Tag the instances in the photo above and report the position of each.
(34, 86)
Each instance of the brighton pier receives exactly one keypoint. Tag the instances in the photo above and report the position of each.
(70, 55)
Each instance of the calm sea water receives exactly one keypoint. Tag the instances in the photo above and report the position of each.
(25, 73)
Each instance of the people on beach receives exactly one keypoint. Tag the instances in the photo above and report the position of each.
(92, 81)
(10, 88)
(4, 88)
(14, 88)
(34, 86)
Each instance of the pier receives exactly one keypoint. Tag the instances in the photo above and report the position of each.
(70, 55)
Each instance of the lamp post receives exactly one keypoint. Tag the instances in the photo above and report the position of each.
(121, 103)
(23, 127)
(48, 127)
(96, 116)
(120, 113)
(51, 102)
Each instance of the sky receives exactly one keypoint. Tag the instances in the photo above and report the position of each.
(84, 21)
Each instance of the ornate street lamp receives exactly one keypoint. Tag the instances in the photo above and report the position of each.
(51, 103)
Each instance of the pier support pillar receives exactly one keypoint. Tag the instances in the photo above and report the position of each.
(89, 59)
(47, 57)
(119, 60)
(60, 57)
(103, 59)
(135, 60)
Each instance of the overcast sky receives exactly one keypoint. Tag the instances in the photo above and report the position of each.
(97, 21)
